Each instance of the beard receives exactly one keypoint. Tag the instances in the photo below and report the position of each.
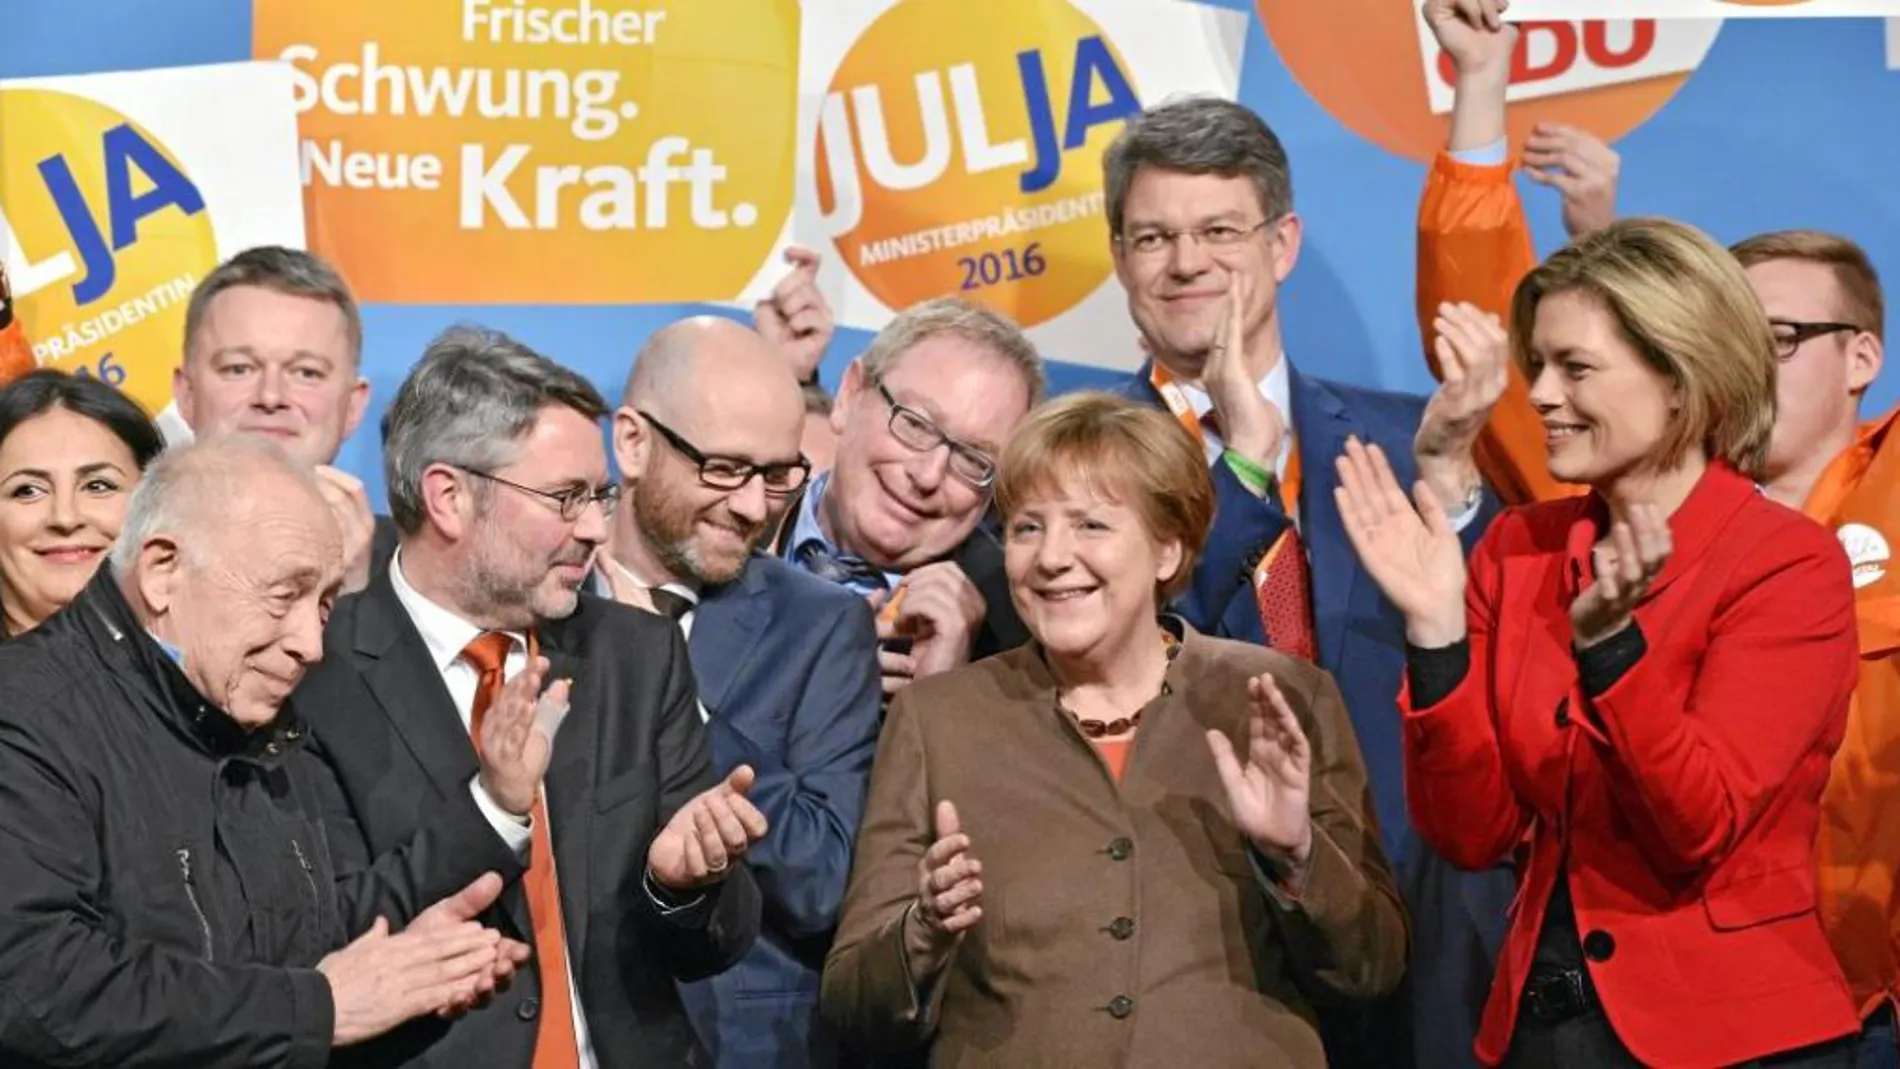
(508, 592)
(669, 522)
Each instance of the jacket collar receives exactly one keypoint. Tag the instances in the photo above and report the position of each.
(1693, 527)
(102, 612)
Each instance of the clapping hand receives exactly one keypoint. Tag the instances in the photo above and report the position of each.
(1270, 792)
(700, 844)
(1413, 555)
(1625, 564)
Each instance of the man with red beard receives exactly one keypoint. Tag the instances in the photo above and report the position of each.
(707, 442)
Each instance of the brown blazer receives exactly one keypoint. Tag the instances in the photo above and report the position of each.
(1122, 925)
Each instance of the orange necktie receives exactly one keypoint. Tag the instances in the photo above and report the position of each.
(555, 1045)
(1283, 580)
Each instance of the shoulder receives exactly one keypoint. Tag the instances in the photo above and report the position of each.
(603, 629)
(46, 673)
(1769, 537)
(793, 589)
(1224, 665)
(1383, 409)
(973, 692)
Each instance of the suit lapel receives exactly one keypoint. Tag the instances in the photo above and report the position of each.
(1321, 424)
(726, 626)
(569, 785)
(396, 665)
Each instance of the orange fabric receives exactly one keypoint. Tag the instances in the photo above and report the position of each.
(16, 354)
(555, 1045)
(1475, 245)
(1858, 849)
(1114, 754)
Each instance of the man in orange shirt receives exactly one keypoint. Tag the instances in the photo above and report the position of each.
(1824, 301)
(16, 355)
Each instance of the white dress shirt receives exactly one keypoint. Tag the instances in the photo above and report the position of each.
(447, 635)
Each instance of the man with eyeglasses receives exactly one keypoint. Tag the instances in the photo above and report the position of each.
(921, 418)
(1200, 210)
(473, 689)
(707, 443)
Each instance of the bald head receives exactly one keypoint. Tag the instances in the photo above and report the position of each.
(696, 366)
(212, 484)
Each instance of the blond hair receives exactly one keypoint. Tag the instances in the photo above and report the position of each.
(1861, 301)
(1683, 303)
(1126, 452)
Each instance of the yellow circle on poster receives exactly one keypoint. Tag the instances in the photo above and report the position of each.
(89, 190)
(961, 153)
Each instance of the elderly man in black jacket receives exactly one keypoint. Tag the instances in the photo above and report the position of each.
(166, 895)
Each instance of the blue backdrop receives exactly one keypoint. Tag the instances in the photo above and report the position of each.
(1787, 123)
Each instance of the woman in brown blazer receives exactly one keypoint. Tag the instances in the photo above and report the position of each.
(1064, 861)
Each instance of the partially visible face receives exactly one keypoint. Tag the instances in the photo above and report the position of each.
(269, 363)
(526, 563)
(1817, 389)
(1177, 295)
(1083, 570)
(901, 508)
(701, 533)
(1605, 409)
(64, 484)
(247, 597)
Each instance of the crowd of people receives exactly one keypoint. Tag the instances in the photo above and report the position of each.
(1233, 717)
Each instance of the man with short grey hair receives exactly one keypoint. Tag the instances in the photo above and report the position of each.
(921, 418)
(168, 898)
(621, 864)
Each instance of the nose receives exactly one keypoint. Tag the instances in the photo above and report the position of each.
(1054, 552)
(270, 389)
(1187, 259)
(1546, 390)
(927, 469)
(749, 502)
(591, 525)
(64, 515)
(303, 639)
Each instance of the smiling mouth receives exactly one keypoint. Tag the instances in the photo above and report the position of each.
(1067, 593)
(1557, 432)
(70, 554)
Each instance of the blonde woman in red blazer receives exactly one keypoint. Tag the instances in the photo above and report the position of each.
(1636, 692)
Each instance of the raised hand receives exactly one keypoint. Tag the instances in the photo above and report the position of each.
(515, 747)
(381, 980)
(707, 836)
(1250, 425)
(1473, 357)
(1625, 563)
(1581, 167)
(1270, 792)
(939, 610)
(796, 319)
(949, 895)
(1413, 555)
(1473, 33)
(349, 503)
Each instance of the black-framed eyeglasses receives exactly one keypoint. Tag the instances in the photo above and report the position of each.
(919, 432)
(1156, 241)
(1791, 334)
(571, 502)
(731, 473)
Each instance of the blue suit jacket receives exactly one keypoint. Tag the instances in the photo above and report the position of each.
(1457, 918)
(786, 665)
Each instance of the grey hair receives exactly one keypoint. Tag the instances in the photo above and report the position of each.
(960, 319)
(467, 403)
(291, 272)
(1198, 135)
(196, 483)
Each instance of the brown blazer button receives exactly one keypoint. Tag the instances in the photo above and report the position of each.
(529, 1009)
(1120, 849)
(1121, 927)
(1599, 945)
(1120, 1006)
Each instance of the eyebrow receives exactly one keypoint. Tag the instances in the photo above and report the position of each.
(82, 471)
(246, 350)
(1227, 215)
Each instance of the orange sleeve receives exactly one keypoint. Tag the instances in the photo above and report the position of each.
(1474, 245)
(16, 355)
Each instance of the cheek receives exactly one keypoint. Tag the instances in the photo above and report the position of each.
(107, 514)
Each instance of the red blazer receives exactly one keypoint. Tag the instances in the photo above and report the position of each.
(1687, 795)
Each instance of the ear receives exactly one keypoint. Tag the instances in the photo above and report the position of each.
(359, 403)
(632, 444)
(181, 393)
(1865, 355)
(1124, 271)
(850, 386)
(161, 570)
(448, 500)
(1168, 562)
(1287, 233)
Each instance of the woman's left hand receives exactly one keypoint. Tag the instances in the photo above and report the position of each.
(1269, 794)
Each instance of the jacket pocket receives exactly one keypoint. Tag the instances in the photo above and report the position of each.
(190, 871)
(1761, 897)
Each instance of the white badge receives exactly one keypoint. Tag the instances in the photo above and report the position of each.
(1867, 551)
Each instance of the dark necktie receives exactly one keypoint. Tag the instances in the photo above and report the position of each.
(841, 568)
(669, 604)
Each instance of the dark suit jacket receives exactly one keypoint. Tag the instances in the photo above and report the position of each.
(787, 670)
(629, 754)
(1124, 923)
(1457, 917)
(382, 545)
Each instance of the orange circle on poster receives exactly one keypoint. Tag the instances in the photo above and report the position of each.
(1374, 80)
(954, 113)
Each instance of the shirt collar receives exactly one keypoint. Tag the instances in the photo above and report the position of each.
(600, 587)
(444, 633)
(1276, 386)
(806, 528)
